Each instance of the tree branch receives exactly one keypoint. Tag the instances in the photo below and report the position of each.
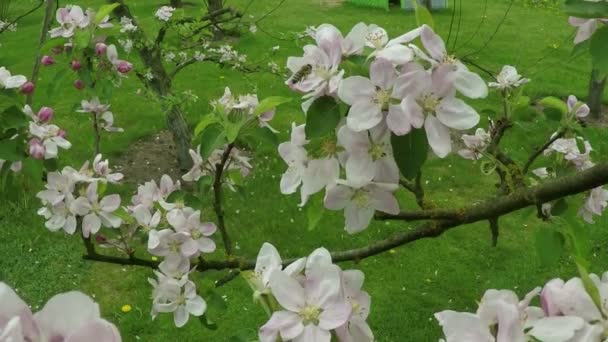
(489, 209)
(34, 9)
(540, 150)
(217, 202)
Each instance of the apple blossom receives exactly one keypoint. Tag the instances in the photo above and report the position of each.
(79, 84)
(238, 160)
(36, 149)
(475, 144)
(127, 25)
(431, 101)
(370, 155)
(121, 66)
(164, 13)
(181, 300)
(69, 317)
(101, 111)
(189, 221)
(96, 213)
(392, 50)
(45, 114)
(356, 329)
(69, 18)
(8, 81)
(577, 108)
(595, 204)
(586, 27)
(369, 98)
(46, 136)
(508, 78)
(100, 49)
(360, 202)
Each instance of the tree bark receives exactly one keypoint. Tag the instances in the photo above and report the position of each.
(214, 6)
(596, 93)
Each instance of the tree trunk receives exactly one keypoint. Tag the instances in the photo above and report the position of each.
(181, 135)
(596, 93)
(213, 6)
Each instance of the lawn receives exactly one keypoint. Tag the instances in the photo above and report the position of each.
(408, 284)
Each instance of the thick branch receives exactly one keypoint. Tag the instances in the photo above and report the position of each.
(487, 210)
(540, 150)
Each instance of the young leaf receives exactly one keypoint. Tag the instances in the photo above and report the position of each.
(270, 103)
(104, 11)
(423, 16)
(549, 246)
(599, 49)
(9, 150)
(205, 121)
(211, 138)
(554, 108)
(322, 118)
(56, 82)
(410, 152)
(204, 185)
(82, 38)
(12, 117)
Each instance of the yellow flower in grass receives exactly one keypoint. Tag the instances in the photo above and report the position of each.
(126, 308)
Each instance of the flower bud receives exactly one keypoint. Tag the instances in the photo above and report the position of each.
(27, 88)
(100, 49)
(78, 84)
(99, 238)
(76, 65)
(36, 149)
(45, 114)
(123, 66)
(47, 60)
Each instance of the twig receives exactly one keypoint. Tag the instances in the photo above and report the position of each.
(540, 150)
(22, 16)
(97, 135)
(494, 230)
(217, 201)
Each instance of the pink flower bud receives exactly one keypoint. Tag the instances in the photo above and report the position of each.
(45, 114)
(123, 66)
(78, 84)
(47, 60)
(27, 88)
(62, 133)
(100, 49)
(36, 149)
(76, 65)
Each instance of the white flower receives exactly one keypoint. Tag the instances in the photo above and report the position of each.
(253, 29)
(164, 13)
(51, 138)
(70, 18)
(7, 81)
(127, 25)
(182, 300)
(595, 204)
(577, 108)
(508, 78)
(189, 221)
(475, 144)
(96, 213)
(174, 246)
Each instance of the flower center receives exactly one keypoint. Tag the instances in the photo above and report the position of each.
(174, 246)
(449, 59)
(310, 314)
(196, 234)
(355, 305)
(382, 98)
(180, 300)
(429, 103)
(323, 72)
(376, 151)
(375, 38)
(360, 198)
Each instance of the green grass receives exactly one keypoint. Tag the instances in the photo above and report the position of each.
(408, 284)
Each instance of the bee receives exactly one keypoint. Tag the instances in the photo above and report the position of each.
(300, 74)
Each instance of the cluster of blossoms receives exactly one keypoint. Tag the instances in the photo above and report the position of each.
(567, 313)
(70, 317)
(586, 27)
(126, 25)
(102, 114)
(176, 233)
(72, 194)
(72, 17)
(310, 298)
(44, 137)
(407, 88)
(8, 26)
(164, 13)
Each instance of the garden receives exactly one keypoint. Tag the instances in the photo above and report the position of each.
(271, 170)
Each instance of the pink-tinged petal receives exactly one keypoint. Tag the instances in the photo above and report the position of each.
(289, 324)
(353, 279)
(357, 219)
(556, 328)
(589, 333)
(433, 44)
(363, 114)
(288, 292)
(142, 215)
(396, 54)
(384, 201)
(92, 192)
(413, 80)
(337, 197)
(313, 333)
(318, 259)
(180, 316)
(110, 203)
(576, 21)
(443, 78)
(463, 327)
(90, 224)
(189, 247)
(354, 41)
(456, 114)
(438, 136)
(355, 88)
(572, 101)
(386, 170)
(176, 219)
(334, 315)
(582, 111)
(470, 84)
(15, 81)
(206, 245)
(112, 53)
(360, 168)
(290, 181)
(573, 300)
(295, 267)
(96, 330)
(406, 37)
(109, 220)
(14, 306)
(382, 73)
(360, 330)
(66, 313)
(353, 141)
(401, 118)
(547, 297)
(12, 331)
(585, 31)
(196, 306)
(323, 283)
(268, 260)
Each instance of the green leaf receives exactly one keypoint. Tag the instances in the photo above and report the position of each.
(104, 11)
(12, 118)
(554, 108)
(51, 43)
(314, 211)
(56, 82)
(10, 150)
(204, 185)
(33, 169)
(589, 285)
(559, 207)
(599, 49)
(270, 103)
(211, 138)
(322, 118)
(267, 139)
(233, 129)
(85, 76)
(205, 121)
(82, 38)
(423, 16)
(410, 152)
(580, 48)
(549, 246)
(207, 323)
(586, 8)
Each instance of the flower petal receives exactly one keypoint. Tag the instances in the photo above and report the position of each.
(438, 136)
